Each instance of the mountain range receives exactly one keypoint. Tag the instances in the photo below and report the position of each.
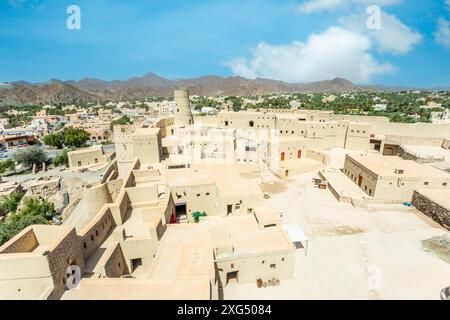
(93, 90)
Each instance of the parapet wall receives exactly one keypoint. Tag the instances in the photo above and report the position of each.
(112, 264)
(318, 156)
(26, 243)
(414, 140)
(93, 234)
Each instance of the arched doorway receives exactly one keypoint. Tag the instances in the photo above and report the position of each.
(282, 156)
(299, 155)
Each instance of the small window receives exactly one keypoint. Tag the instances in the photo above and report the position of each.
(273, 266)
(444, 184)
(198, 194)
(426, 183)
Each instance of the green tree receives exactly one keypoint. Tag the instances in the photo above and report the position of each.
(32, 212)
(121, 121)
(75, 137)
(61, 159)
(6, 165)
(69, 137)
(9, 203)
(197, 215)
(36, 207)
(30, 156)
(55, 140)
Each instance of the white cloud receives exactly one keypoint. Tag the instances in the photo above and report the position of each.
(442, 34)
(315, 6)
(393, 36)
(337, 52)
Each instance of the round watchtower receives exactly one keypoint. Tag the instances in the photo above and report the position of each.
(183, 114)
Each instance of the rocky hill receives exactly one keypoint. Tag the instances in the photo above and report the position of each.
(91, 90)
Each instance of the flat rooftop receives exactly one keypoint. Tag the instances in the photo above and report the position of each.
(386, 166)
(84, 150)
(185, 251)
(247, 238)
(428, 152)
(200, 175)
(342, 185)
(139, 289)
(146, 131)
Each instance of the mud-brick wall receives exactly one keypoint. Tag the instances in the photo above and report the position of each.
(68, 252)
(432, 209)
(27, 242)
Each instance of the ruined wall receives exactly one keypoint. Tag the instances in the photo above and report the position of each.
(432, 209)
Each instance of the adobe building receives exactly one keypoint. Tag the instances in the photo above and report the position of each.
(244, 252)
(217, 190)
(136, 141)
(34, 263)
(129, 242)
(87, 158)
(321, 133)
(392, 179)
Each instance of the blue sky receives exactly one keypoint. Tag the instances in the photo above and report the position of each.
(294, 41)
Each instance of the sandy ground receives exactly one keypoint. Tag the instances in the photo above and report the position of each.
(354, 253)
